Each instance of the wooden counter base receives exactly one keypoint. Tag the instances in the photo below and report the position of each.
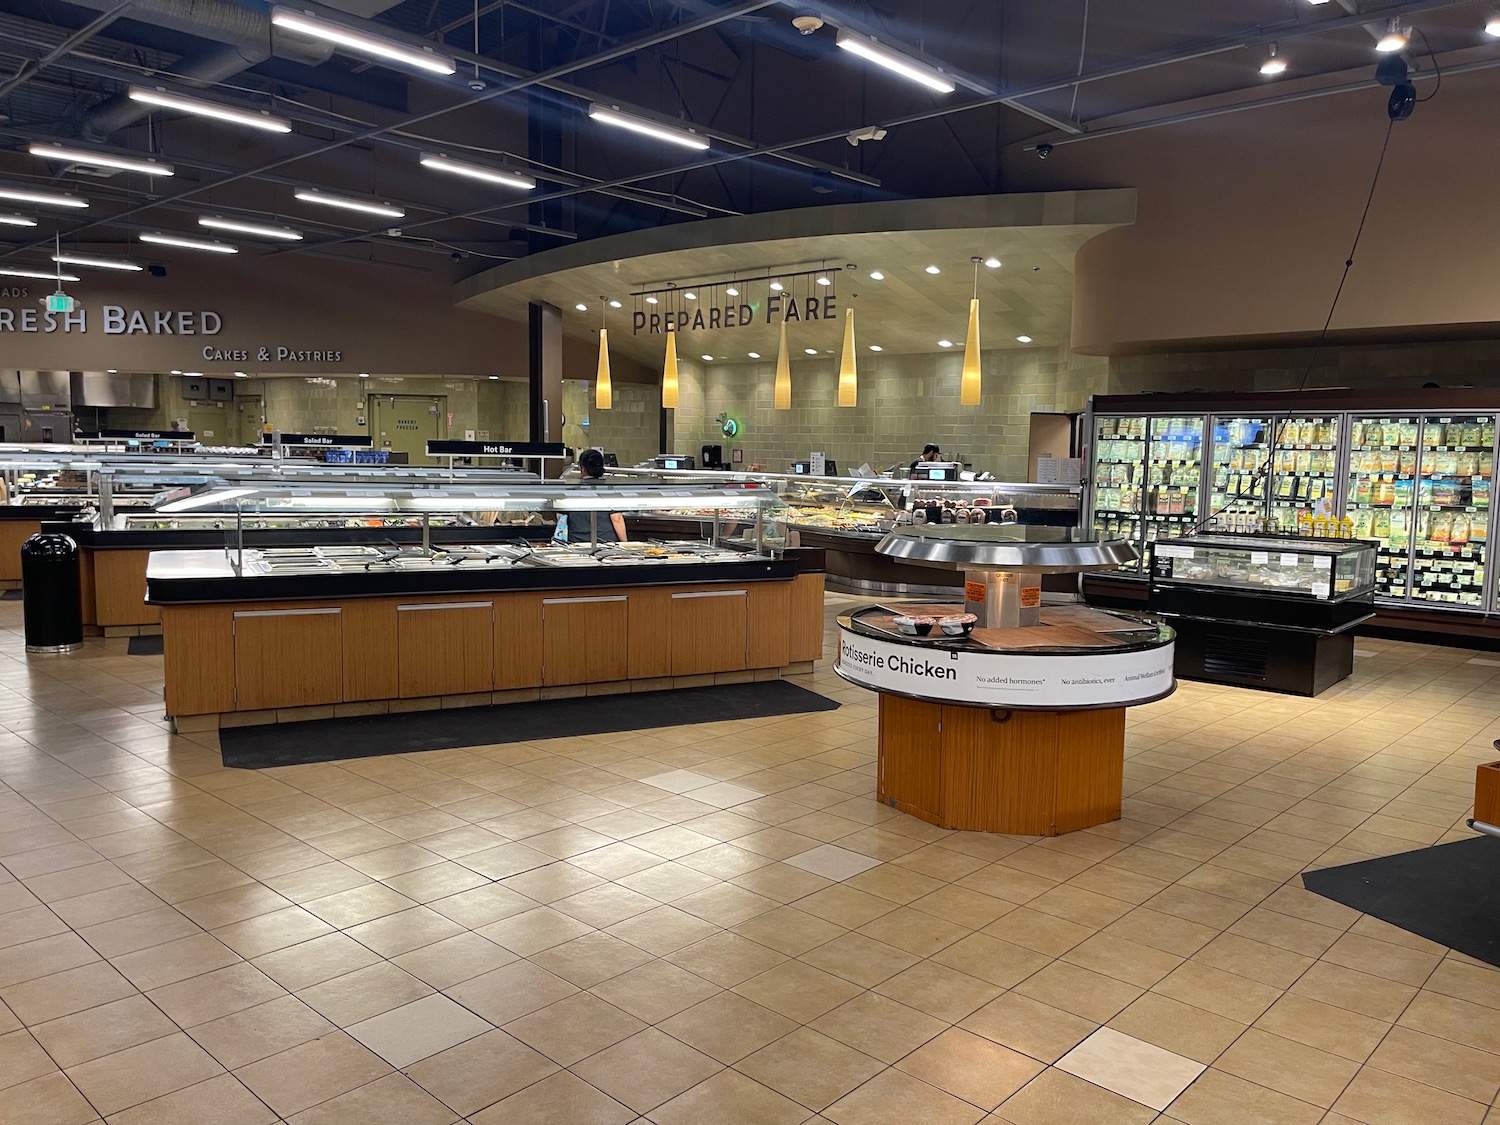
(277, 660)
(1028, 773)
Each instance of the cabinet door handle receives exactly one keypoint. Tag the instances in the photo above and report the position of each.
(445, 605)
(580, 601)
(711, 594)
(285, 612)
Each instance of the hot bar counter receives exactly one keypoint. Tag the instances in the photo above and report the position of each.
(1000, 714)
(268, 647)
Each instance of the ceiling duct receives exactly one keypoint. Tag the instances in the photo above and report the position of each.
(243, 35)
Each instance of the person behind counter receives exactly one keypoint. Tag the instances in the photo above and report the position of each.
(610, 525)
(930, 452)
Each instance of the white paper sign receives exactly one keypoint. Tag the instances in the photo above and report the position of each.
(1006, 679)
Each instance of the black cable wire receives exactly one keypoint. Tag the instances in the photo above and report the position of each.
(1265, 470)
(1436, 69)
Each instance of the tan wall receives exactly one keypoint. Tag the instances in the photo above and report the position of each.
(629, 429)
(1245, 221)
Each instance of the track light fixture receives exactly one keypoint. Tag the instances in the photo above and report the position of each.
(1395, 38)
(1275, 64)
(1492, 23)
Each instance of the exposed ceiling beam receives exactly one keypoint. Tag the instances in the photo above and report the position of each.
(77, 39)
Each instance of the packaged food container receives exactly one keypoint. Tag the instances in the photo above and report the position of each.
(957, 625)
(914, 626)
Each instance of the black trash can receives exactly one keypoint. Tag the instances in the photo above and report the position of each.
(53, 605)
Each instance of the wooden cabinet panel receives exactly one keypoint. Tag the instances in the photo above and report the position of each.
(287, 658)
(585, 639)
(445, 648)
(12, 534)
(369, 649)
(198, 647)
(518, 641)
(911, 774)
(708, 631)
(1090, 768)
(650, 633)
(805, 618)
(999, 770)
(768, 625)
(120, 589)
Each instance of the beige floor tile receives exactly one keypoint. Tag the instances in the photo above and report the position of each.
(453, 960)
(574, 1028)
(892, 1098)
(727, 1027)
(256, 1033)
(788, 930)
(534, 930)
(100, 1031)
(392, 1100)
(48, 1100)
(810, 1068)
(1029, 1026)
(971, 1067)
(939, 991)
(799, 991)
(1178, 1027)
(879, 1026)
(646, 1070)
(914, 931)
(511, 991)
(1131, 1067)
(480, 1071)
(730, 1098)
(363, 993)
(222, 1100)
(844, 906)
(1376, 1097)
(588, 960)
(404, 931)
(781, 881)
(1292, 1068)
(726, 959)
(418, 1030)
(562, 1097)
(61, 994)
(174, 961)
(139, 931)
(43, 957)
(1080, 991)
(22, 1058)
(1325, 1026)
(358, 904)
(143, 1072)
(313, 962)
(1057, 1098)
(311, 1073)
(1383, 959)
(655, 991)
(1215, 990)
(1355, 991)
(863, 960)
(1466, 1071)
(662, 931)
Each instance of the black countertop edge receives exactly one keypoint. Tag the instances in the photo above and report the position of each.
(374, 584)
(932, 643)
(87, 535)
(42, 512)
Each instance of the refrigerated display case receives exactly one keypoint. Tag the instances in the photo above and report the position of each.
(1410, 471)
(1147, 478)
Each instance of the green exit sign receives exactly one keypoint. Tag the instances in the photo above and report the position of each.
(60, 303)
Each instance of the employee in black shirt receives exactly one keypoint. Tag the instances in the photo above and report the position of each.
(930, 452)
(580, 528)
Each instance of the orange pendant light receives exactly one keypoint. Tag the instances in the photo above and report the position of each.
(669, 373)
(848, 366)
(783, 374)
(604, 394)
(969, 382)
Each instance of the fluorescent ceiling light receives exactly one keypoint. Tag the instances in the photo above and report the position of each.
(96, 263)
(201, 108)
(612, 116)
(381, 48)
(16, 221)
(1393, 40)
(204, 499)
(366, 206)
(895, 61)
(477, 171)
(41, 275)
(45, 198)
(189, 243)
(259, 230)
(99, 159)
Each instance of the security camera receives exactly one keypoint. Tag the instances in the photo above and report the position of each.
(870, 133)
(807, 24)
(476, 84)
(156, 269)
(394, 232)
(1043, 151)
(457, 255)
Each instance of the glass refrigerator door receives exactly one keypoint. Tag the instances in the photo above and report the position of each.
(1304, 476)
(1454, 469)
(1238, 458)
(1381, 493)
(1174, 472)
(1118, 478)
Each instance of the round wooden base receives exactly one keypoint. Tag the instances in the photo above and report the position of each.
(1029, 773)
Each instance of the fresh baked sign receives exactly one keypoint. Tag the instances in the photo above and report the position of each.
(1003, 679)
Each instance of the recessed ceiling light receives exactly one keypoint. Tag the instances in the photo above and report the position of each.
(197, 106)
(777, 287)
(175, 371)
(690, 295)
(114, 371)
(611, 115)
(260, 230)
(876, 348)
(96, 262)
(364, 374)
(385, 49)
(189, 243)
(992, 263)
(811, 351)
(731, 292)
(45, 198)
(16, 221)
(933, 269)
(615, 304)
(99, 159)
(876, 275)
(237, 375)
(753, 355)
(41, 275)
(495, 377)
(501, 176)
(1023, 339)
(709, 358)
(581, 307)
(825, 280)
(945, 343)
(366, 206)
(650, 300)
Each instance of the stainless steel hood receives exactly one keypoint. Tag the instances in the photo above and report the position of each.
(101, 388)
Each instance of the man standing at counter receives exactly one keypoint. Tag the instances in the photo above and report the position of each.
(575, 526)
(930, 452)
